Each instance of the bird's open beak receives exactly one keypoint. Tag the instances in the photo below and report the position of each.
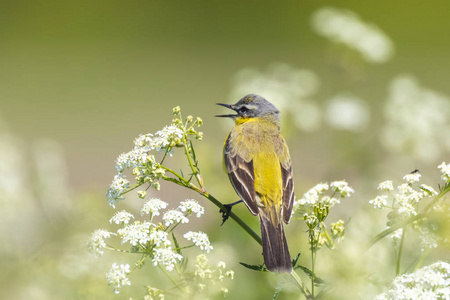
(230, 106)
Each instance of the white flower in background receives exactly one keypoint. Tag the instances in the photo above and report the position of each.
(199, 239)
(135, 233)
(428, 189)
(153, 206)
(159, 237)
(315, 197)
(288, 88)
(445, 170)
(116, 189)
(166, 257)
(417, 120)
(342, 188)
(430, 282)
(173, 217)
(379, 201)
(97, 242)
(347, 112)
(386, 186)
(413, 177)
(117, 276)
(121, 217)
(344, 26)
(191, 207)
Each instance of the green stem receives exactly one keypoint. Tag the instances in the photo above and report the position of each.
(313, 260)
(327, 235)
(174, 282)
(132, 188)
(422, 258)
(191, 165)
(108, 247)
(400, 250)
(302, 287)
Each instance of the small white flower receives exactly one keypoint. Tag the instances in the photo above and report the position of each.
(135, 233)
(386, 186)
(117, 276)
(97, 241)
(159, 237)
(191, 207)
(445, 170)
(123, 217)
(405, 189)
(342, 188)
(310, 219)
(166, 257)
(430, 282)
(153, 206)
(230, 274)
(116, 189)
(396, 235)
(413, 177)
(321, 187)
(428, 239)
(379, 201)
(200, 239)
(406, 209)
(173, 217)
(221, 265)
(428, 189)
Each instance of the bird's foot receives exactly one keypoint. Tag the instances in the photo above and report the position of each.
(227, 210)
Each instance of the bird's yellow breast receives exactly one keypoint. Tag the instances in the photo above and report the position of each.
(259, 140)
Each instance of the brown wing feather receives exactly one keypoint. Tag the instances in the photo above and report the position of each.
(242, 177)
(288, 192)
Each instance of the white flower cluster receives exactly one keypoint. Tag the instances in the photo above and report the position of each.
(207, 276)
(406, 198)
(143, 161)
(445, 170)
(149, 238)
(97, 242)
(191, 207)
(153, 206)
(199, 239)
(117, 276)
(121, 217)
(430, 282)
(116, 189)
(417, 120)
(343, 26)
(404, 202)
(316, 197)
(136, 233)
(166, 257)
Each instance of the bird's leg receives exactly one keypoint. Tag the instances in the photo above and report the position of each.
(227, 210)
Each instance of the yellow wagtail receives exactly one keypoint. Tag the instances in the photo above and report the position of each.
(259, 167)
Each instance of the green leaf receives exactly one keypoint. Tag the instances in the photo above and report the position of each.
(255, 267)
(279, 288)
(295, 260)
(177, 246)
(317, 280)
(277, 292)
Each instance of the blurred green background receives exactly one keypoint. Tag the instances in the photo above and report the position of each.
(80, 79)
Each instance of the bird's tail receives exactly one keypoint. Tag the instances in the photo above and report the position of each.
(275, 249)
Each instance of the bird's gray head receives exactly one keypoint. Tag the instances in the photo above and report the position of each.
(252, 106)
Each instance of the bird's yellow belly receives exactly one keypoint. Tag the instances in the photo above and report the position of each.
(268, 182)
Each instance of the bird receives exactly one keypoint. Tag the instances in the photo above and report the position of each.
(257, 161)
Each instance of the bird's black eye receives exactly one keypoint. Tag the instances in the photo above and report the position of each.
(243, 109)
